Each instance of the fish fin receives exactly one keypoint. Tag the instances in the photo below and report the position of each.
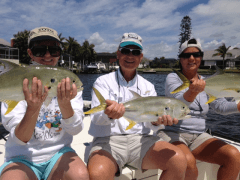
(135, 95)
(102, 105)
(232, 89)
(218, 71)
(47, 101)
(11, 105)
(131, 123)
(237, 100)
(211, 99)
(186, 117)
(186, 82)
(8, 65)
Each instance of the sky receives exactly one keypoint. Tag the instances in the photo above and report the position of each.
(103, 22)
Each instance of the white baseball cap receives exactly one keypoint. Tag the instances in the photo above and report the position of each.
(42, 33)
(190, 43)
(131, 39)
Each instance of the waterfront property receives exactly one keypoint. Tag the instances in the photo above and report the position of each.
(231, 61)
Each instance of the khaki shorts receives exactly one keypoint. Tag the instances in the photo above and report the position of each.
(191, 140)
(128, 150)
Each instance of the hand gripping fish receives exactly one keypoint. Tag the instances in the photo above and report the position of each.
(218, 85)
(146, 109)
(12, 76)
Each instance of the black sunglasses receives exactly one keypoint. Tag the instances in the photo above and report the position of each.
(40, 51)
(126, 51)
(188, 55)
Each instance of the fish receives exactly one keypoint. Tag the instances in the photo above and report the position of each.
(218, 85)
(146, 109)
(12, 76)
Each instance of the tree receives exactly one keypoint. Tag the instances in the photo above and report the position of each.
(21, 42)
(88, 51)
(222, 51)
(186, 30)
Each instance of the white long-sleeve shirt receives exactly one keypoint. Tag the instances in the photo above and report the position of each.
(114, 87)
(51, 132)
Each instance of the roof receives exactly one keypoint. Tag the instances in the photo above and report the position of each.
(4, 42)
(208, 55)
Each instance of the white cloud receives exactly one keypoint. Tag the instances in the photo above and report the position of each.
(96, 39)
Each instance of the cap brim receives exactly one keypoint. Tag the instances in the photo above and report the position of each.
(128, 43)
(39, 38)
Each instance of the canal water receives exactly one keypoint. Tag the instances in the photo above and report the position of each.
(228, 125)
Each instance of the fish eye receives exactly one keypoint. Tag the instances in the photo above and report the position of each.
(52, 80)
(157, 115)
(74, 81)
(183, 107)
(166, 108)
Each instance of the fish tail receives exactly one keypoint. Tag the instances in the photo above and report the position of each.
(186, 82)
(102, 105)
(211, 98)
(11, 105)
(131, 124)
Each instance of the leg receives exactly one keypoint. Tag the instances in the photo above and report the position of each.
(218, 152)
(102, 166)
(69, 166)
(169, 158)
(17, 171)
(192, 171)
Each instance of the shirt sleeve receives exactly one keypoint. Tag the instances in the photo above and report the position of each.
(172, 83)
(12, 119)
(74, 124)
(100, 118)
(224, 107)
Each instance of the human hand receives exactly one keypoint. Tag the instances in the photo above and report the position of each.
(35, 98)
(197, 85)
(114, 110)
(166, 120)
(65, 92)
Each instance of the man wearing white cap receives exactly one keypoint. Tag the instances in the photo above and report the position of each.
(38, 146)
(115, 147)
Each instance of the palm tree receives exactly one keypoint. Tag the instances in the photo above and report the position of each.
(222, 51)
(88, 51)
(21, 42)
(71, 44)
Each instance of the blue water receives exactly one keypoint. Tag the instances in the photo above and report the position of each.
(228, 125)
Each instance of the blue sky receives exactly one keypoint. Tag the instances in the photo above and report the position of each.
(103, 22)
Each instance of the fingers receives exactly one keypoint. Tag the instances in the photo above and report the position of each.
(25, 88)
(34, 87)
(114, 110)
(197, 85)
(65, 91)
(167, 120)
(39, 89)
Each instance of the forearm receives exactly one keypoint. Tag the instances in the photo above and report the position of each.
(190, 96)
(66, 110)
(24, 130)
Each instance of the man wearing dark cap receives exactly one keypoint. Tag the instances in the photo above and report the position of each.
(115, 147)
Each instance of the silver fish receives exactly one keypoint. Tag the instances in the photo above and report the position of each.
(146, 109)
(12, 76)
(218, 85)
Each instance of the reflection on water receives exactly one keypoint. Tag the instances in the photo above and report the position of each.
(228, 125)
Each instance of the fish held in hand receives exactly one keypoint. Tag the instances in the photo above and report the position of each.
(218, 85)
(146, 109)
(12, 76)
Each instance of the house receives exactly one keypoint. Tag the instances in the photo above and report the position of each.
(167, 62)
(230, 61)
(6, 51)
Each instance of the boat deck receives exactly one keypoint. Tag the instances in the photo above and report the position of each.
(82, 144)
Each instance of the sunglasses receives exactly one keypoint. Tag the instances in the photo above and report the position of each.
(188, 55)
(40, 51)
(126, 51)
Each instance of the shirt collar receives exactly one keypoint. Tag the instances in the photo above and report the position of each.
(122, 80)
